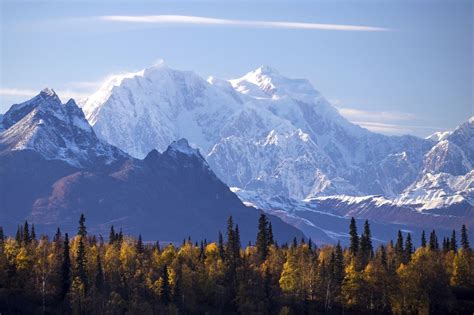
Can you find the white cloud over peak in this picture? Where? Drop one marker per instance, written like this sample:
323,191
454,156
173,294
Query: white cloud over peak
198,20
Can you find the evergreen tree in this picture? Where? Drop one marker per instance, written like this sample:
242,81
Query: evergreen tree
81,262
270,234
33,233
230,248
399,251
26,233
453,244
99,275
408,249
295,243
237,244
263,239
119,237
464,239
165,291
434,245
338,270
112,235
446,245
423,239
66,268
383,256
366,248
82,231
139,245
354,237
220,246
2,236
19,235
57,236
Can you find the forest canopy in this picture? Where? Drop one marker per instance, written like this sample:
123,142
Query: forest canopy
85,274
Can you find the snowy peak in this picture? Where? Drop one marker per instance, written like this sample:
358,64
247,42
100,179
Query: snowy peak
182,146
181,150
267,82
47,99
454,153
54,130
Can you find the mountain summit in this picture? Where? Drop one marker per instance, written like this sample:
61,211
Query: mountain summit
276,138
263,131
54,130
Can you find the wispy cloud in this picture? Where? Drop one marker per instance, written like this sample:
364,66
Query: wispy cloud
198,20
357,114
64,94
17,92
392,123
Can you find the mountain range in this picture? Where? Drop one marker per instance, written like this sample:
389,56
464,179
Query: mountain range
279,143
276,141
53,167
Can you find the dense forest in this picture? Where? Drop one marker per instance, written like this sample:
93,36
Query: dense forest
85,274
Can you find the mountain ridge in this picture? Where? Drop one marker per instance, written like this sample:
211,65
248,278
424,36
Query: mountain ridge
156,196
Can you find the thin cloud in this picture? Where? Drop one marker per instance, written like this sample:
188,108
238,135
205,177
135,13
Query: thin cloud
391,129
391,123
198,20
64,95
357,114
17,92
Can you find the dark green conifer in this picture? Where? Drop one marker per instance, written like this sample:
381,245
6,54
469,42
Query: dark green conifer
354,237
464,239
453,244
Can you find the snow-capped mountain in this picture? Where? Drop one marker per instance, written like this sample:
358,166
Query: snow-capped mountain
53,168
262,132
277,138
55,130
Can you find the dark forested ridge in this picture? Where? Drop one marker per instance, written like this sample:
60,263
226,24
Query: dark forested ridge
85,274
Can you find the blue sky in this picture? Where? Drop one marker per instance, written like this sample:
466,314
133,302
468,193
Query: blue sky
409,69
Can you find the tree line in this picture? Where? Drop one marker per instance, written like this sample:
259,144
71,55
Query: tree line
85,274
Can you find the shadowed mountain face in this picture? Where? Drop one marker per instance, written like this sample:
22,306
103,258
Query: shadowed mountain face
284,148
164,197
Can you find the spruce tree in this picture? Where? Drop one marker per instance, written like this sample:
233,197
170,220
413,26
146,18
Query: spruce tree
464,239
262,238
2,236
423,239
354,237
26,233
220,246
112,235
139,246
446,245
434,245
19,235
82,231
66,268
408,249
338,264
57,236
366,248
399,251
81,261
270,234
237,244
453,244
99,275
383,256
33,233
165,291
230,248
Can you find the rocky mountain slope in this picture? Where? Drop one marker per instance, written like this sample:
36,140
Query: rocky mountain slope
53,168
274,137
261,132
